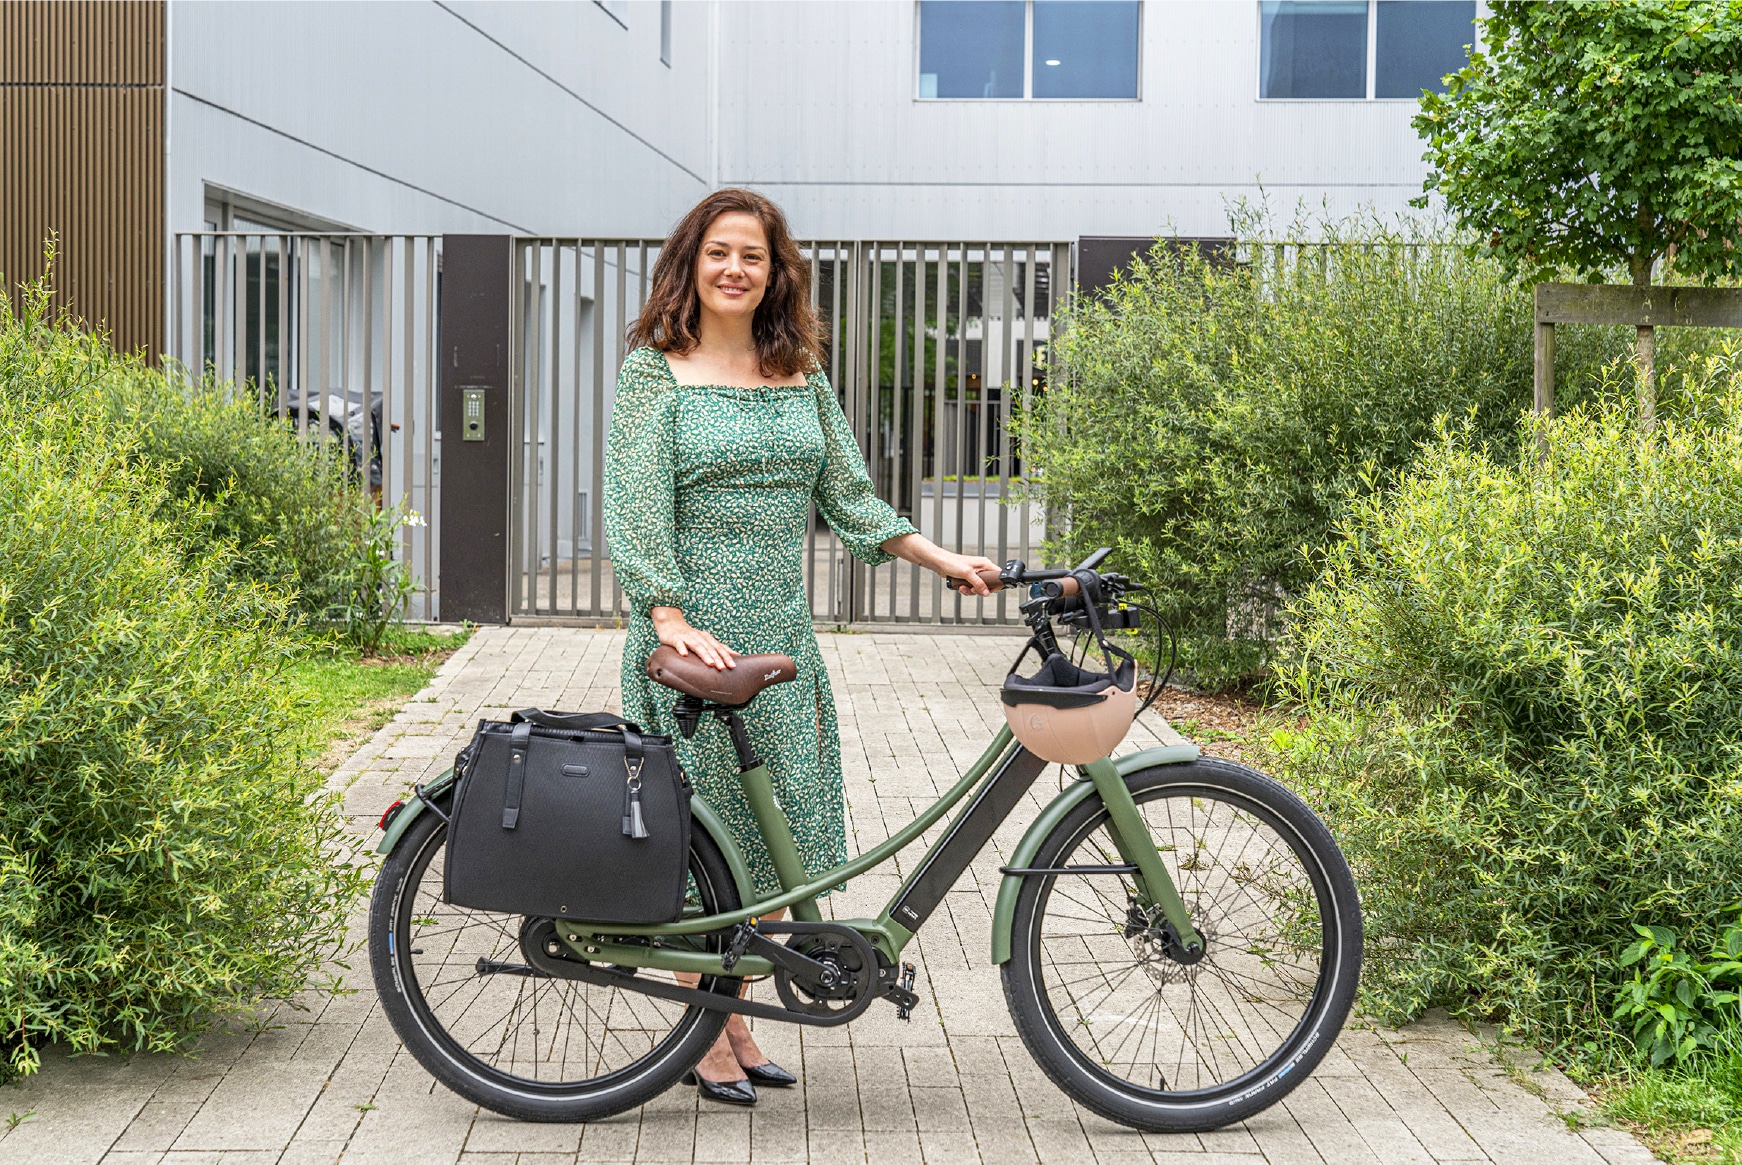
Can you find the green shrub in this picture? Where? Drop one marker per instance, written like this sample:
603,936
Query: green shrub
297,521
1521,697
165,857
1678,1002
1213,422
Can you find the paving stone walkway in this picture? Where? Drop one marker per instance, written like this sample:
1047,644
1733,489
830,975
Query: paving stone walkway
330,1083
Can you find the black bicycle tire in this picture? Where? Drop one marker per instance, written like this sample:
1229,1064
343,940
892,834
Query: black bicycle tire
1260,1087
412,1021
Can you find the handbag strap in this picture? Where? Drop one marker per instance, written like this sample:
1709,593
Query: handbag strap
517,745
573,721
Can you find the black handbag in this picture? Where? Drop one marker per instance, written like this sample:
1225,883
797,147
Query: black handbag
569,816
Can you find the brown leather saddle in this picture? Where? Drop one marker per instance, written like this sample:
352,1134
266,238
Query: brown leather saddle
733,686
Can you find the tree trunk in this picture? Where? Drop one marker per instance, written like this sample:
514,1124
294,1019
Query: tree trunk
1645,349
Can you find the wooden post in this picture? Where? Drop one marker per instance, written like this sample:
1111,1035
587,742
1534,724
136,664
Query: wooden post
1544,402
1643,308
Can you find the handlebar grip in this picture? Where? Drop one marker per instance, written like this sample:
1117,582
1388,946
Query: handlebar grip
995,580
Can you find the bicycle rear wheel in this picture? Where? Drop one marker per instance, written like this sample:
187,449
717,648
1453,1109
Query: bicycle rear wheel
462,996
1127,1023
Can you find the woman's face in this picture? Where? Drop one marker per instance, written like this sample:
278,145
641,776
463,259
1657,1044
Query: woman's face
732,265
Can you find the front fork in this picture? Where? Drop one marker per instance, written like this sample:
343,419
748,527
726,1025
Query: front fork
1155,886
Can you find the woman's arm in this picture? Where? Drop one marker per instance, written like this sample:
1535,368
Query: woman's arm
641,507
922,551
868,526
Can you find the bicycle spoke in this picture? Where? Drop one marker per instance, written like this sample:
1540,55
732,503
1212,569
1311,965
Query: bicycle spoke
1138,1012
524,1026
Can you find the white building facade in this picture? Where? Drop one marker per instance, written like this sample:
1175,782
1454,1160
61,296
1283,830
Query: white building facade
947,159
864,118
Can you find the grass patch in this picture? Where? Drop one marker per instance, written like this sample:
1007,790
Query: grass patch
1692,1113
347,694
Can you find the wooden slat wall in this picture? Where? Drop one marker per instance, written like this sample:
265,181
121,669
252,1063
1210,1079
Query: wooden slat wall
81,156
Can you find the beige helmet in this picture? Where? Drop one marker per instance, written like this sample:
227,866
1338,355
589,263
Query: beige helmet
1065,714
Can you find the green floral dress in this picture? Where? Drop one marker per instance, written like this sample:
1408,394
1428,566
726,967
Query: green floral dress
708,490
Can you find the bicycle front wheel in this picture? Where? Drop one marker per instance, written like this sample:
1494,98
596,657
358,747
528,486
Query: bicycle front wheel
1140,1031
458,988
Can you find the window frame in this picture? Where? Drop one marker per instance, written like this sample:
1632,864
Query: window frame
1027,68
1372,61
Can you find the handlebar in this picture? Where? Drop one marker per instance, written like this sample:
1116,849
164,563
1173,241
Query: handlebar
1016,573
999,580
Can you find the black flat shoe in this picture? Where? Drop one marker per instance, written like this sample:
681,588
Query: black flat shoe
730,1092
770,1076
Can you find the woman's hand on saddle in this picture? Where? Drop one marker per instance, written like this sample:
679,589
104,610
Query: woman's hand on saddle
675,631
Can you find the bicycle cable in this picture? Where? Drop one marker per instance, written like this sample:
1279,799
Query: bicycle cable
1161,625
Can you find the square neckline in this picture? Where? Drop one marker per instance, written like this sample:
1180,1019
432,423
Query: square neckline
671,375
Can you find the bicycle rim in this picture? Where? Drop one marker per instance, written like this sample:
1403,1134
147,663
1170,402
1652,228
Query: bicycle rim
518,1033
1152,1026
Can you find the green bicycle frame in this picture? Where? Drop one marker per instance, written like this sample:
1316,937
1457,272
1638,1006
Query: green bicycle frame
999,779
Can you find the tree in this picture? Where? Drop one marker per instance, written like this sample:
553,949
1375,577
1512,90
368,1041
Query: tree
1595,136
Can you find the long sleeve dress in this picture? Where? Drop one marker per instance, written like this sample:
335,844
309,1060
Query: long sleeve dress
708,490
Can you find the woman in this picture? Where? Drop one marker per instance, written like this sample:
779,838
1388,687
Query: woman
724,433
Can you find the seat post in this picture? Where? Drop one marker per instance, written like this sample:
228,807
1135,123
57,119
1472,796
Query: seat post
747,758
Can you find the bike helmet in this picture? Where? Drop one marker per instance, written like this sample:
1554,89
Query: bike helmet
1067,714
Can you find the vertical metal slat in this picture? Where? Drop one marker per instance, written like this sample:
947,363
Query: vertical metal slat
597,502
552,469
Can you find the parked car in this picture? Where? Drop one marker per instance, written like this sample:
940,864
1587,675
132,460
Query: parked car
338,415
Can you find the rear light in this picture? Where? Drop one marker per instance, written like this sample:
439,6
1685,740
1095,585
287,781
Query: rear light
392,812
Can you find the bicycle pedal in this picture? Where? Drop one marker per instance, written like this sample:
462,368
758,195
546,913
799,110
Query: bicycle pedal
905,999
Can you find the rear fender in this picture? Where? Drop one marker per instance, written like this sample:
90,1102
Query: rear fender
1079,791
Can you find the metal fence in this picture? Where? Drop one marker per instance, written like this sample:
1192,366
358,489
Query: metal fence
931,346
336,334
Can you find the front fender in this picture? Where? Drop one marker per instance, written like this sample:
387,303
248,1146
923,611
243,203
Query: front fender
1080,790
701,813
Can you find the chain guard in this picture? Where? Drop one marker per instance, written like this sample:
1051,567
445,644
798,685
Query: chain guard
854,976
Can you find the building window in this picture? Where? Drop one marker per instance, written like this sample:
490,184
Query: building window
1361,49
1420,42
1041,49
1085,48
665,33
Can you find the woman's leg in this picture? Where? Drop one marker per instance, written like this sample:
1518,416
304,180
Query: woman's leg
736,1048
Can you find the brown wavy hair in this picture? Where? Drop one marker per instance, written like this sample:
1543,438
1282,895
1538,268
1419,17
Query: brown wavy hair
788,336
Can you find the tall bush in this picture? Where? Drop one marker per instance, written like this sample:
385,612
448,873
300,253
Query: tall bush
1212,421
290,507
1521,697
164,855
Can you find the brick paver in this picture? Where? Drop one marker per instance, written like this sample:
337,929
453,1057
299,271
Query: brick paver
330,1083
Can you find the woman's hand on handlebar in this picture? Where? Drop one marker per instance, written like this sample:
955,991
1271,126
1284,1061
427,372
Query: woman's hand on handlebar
969,573
675,631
